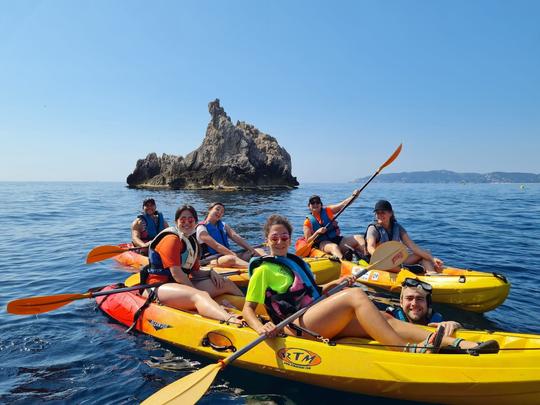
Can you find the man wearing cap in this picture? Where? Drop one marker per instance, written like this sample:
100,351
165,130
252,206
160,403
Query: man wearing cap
415,307
147,225
385,228
321,228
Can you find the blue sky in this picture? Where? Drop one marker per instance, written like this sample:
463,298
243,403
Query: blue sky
87,88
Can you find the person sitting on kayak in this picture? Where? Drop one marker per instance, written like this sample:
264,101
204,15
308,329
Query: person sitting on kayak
147,225
174,259
285,284
415,306
321,228
386,228
213,234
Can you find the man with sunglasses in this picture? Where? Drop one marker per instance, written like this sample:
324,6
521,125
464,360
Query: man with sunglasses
147,225
415,306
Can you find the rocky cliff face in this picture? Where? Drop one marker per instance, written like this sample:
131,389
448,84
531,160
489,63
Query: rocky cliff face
231,156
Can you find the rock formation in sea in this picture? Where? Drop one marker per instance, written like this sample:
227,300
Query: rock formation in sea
230,157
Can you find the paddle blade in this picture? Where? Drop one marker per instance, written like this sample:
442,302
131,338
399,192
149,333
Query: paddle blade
103,252
303,248
388,255
391,158
187,390
39,305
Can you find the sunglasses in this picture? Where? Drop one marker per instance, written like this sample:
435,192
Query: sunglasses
281,236
315,202
183,220
413,282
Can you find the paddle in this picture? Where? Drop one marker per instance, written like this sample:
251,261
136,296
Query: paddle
105,252
189,389
303,251
39,305
100,253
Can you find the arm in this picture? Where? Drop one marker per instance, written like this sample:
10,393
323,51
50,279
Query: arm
239,240
310,236
335,208
136,234
449,326
248,312
371,239
424,254
179,276
205,237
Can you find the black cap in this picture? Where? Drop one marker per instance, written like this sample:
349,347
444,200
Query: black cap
383,205
315,199
148,201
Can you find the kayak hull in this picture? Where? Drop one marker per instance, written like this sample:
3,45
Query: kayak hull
354,365
469,290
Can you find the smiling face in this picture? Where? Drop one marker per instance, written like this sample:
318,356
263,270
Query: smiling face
186,222
383,217
414,303
216,213
278,240
149,208
315,205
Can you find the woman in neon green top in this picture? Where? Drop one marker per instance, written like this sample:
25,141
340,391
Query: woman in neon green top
347,313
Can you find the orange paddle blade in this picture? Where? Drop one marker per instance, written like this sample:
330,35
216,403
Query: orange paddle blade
104,252
391,158
187,390
39,305
304,250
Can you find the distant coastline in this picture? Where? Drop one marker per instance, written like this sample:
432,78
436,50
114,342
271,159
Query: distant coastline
447,176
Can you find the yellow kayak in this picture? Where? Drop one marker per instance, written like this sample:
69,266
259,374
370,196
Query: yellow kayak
511,376
466,289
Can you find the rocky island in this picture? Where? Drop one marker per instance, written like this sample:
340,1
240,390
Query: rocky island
231,156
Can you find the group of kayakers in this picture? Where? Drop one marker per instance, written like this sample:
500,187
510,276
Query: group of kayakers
283,282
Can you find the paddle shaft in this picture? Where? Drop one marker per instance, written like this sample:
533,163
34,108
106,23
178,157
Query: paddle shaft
390,160
124,289
291,318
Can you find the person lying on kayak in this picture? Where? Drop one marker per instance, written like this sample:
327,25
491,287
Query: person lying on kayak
385,228
174,259
285,284
415,307
147,225
213,234
321,228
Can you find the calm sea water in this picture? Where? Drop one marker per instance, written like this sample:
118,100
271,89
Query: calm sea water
77,355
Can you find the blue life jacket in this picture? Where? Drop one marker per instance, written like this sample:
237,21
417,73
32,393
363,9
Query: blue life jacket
331,231
302,291
150,228
383,233
219,234
188,255
398,313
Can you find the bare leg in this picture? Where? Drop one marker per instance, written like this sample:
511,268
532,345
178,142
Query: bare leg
185,297
356,242
332,248
228,287
352,314
231,261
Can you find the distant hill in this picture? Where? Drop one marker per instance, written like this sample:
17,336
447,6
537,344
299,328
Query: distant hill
446,176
